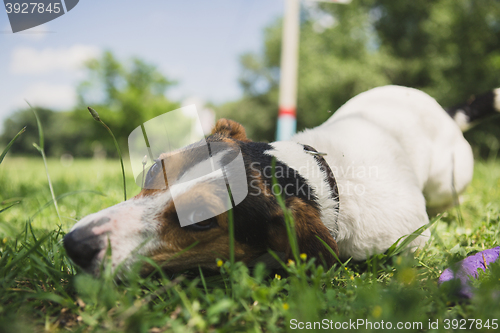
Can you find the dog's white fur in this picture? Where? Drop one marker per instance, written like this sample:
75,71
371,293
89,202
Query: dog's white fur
133,227
394,151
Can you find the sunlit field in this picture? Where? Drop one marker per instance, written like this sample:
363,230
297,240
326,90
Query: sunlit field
42,291
87,186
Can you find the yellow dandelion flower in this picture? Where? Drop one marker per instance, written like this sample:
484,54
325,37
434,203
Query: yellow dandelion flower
407,276
286,306
290,262
277,276
303,256
377,311
220,263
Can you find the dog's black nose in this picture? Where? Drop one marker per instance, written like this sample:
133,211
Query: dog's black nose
82,246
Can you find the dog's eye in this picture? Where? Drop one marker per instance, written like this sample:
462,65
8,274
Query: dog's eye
200,215
152,173
196,215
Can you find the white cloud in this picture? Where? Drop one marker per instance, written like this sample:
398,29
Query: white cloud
28,60
48,95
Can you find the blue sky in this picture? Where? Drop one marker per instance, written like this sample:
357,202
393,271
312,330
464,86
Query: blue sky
196,42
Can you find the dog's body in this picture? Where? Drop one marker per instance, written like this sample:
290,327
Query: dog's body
394,153
394,149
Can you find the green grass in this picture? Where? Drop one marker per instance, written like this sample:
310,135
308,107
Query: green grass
40,290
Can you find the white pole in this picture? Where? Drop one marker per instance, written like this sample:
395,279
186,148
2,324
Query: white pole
287,122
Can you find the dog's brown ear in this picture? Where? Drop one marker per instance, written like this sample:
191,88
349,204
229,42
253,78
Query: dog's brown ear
308,227
231,129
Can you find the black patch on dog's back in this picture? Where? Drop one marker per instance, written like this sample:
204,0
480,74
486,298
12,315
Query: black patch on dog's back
256,214
476,107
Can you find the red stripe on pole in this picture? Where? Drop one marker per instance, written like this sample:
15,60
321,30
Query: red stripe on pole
286,112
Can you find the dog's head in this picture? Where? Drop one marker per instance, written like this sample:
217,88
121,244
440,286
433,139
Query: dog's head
149,223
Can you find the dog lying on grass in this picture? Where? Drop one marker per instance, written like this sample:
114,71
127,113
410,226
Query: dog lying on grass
359,182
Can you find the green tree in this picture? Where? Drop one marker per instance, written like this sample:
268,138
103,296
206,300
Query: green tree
447,48
125,95
63,133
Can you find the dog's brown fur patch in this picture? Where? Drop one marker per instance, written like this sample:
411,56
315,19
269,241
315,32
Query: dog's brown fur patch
211,244
231,129
308,225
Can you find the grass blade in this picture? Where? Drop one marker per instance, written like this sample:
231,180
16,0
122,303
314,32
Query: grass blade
4,209
11,143
287,216
95,115
331,251
48,179
32,249
41,139
398,247
42,152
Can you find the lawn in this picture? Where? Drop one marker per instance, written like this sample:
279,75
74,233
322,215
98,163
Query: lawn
42,291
